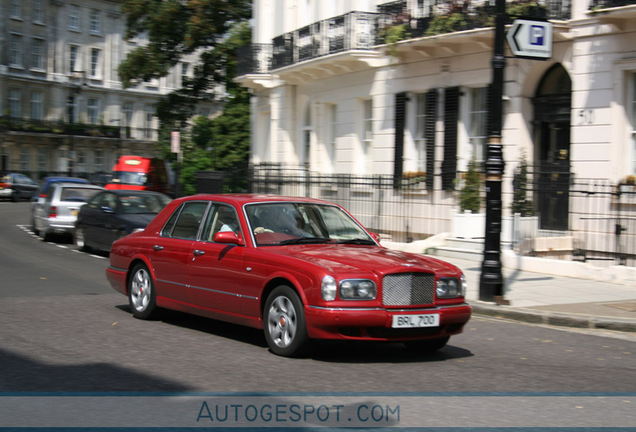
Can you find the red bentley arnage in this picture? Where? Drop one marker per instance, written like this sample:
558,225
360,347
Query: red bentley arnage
298,268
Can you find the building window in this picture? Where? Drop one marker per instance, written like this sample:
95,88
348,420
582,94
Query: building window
73,57
24,158
16,9
95,22
184,72
127,111
36,106
15,51
15,102
37,54
99,160
367,142
42,159
96,55
420,132
92,108
38,15
74,18
150,114
71,109
478,118
81,161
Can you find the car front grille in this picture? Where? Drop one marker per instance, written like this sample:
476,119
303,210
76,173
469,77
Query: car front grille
406,289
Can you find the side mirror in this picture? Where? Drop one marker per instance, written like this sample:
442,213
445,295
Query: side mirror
228,237
108,210
375,236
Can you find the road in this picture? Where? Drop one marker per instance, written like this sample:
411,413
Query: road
65,329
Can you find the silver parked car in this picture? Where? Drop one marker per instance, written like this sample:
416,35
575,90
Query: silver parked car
58,213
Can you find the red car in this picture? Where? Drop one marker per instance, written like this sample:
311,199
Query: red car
299,268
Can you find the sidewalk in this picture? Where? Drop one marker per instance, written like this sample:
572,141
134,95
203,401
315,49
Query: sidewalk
557,293
555,300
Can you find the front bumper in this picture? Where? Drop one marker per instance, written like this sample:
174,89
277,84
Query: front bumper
374,324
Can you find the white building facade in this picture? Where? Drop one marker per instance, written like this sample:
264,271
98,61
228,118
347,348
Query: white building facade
369,88
63,107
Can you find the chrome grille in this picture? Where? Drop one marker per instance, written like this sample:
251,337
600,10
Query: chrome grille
404,289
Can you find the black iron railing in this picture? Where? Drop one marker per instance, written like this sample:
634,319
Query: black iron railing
393,22
13,124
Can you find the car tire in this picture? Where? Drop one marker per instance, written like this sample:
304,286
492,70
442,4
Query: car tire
45,236
79,239
141,293
284,323
429,345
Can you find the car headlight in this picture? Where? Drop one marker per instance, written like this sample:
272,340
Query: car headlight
357,289
451,287
329,288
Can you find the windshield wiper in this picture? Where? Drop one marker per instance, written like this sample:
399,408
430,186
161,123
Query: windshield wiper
305,240
358,242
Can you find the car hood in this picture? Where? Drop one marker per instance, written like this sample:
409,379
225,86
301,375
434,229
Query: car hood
353,258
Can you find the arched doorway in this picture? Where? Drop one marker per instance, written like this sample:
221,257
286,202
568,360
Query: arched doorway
552,106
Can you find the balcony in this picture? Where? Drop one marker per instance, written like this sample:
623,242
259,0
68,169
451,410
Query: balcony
362,36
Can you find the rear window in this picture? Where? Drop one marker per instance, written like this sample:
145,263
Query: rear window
77,194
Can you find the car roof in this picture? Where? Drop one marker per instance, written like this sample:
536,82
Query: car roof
76,185
133,191
65,179
242,199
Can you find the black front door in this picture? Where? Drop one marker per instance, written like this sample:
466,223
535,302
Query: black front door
552,106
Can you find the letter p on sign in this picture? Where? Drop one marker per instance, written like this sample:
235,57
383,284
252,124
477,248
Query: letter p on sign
537,35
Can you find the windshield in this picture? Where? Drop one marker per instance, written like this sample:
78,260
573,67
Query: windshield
296,223
138,204
129,178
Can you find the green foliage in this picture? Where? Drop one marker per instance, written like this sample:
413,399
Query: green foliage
520,202
447,24
526,9
212,30
470,195
392,35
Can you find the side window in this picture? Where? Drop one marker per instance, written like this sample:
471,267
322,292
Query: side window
221,218
184,223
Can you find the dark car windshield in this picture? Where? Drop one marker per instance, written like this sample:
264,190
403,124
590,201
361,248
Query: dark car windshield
129,178
135,203
288,223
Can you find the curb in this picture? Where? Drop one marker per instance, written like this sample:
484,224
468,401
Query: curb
553,318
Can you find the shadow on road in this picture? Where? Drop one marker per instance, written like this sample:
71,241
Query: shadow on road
23,374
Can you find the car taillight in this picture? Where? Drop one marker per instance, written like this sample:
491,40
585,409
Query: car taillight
53,212
43,195
5,185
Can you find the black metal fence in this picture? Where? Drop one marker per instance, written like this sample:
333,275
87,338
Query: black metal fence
406,213
599,223
603,221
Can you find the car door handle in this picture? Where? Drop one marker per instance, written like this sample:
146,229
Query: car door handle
198,252
157,248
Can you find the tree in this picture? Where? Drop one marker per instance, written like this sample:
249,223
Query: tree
470,196
520,202
212,30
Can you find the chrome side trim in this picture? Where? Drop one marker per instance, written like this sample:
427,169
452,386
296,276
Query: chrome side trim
208,289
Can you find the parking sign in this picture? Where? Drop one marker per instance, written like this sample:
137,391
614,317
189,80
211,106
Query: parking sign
531,39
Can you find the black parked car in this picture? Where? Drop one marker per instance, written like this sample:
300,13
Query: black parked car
113,214
16,186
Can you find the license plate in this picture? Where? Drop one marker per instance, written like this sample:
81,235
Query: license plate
74,212
411,321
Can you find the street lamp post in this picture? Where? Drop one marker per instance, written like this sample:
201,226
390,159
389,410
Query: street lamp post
491,281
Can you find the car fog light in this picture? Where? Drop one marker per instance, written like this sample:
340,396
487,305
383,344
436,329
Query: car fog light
329,288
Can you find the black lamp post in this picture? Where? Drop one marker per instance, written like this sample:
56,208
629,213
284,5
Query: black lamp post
491,281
